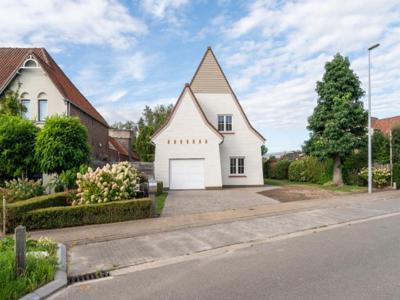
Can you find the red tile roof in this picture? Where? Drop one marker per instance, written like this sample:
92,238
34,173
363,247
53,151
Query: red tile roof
385,125
11,60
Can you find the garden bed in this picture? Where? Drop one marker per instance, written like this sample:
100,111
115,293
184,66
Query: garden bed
39,269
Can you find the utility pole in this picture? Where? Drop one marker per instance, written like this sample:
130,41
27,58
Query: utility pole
369,121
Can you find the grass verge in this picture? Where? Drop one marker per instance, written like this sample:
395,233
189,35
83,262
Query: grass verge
160,199
344,188
39,269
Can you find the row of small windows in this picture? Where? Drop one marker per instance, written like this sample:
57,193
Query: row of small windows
42,106
187,141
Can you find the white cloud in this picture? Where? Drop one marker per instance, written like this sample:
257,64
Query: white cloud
162,8
51,23
277,51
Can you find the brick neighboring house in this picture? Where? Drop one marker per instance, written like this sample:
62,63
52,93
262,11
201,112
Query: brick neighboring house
46,90
120,145
385,125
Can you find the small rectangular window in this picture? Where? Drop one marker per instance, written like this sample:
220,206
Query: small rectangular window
26,103
241,165
224,122
42,110
237,165
233,165
228,123
220,123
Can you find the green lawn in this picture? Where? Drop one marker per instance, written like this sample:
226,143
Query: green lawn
160,199
39,270
344,188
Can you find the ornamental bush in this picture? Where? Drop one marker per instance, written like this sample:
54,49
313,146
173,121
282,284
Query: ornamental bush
311,169
279,170
62,145
380,176
17,140
21,189
110,183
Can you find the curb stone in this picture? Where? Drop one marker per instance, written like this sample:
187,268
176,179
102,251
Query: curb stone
60,278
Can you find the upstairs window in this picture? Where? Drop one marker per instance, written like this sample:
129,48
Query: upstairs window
42,110
224,123
237,165
27,104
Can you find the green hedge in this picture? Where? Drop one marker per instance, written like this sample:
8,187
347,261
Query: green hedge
279,170
396,174
16,210
311,169
67,216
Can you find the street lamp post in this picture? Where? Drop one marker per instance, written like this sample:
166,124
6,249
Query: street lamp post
369,121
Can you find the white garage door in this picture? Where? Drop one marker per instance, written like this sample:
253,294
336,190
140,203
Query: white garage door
186,174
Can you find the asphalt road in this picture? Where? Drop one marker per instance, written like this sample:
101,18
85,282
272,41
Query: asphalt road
360,261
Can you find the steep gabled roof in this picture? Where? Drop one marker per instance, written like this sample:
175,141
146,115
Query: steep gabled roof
11,59
210,78
118,147
197,105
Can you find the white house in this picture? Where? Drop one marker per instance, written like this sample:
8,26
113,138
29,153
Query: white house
208,142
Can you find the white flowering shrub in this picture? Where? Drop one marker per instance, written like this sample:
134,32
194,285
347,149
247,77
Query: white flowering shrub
380,176
110,183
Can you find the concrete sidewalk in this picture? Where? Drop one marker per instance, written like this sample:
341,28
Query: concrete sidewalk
106,232
248,227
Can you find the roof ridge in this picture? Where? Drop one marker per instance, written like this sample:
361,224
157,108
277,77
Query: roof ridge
209,50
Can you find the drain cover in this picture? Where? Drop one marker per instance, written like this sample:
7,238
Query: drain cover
88,276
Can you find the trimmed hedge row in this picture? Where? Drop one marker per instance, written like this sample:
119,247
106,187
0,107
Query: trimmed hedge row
16,210
67,216
311,169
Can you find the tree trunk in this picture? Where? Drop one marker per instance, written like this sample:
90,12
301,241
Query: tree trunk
337,171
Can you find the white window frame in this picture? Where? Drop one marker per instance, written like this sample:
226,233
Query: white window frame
236,171
225,123
39,111
27,114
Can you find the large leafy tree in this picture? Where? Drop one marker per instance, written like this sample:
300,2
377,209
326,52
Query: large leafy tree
338,123
62,145
151,120
17,140
10,104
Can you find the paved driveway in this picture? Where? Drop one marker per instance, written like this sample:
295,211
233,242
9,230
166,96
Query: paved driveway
198,201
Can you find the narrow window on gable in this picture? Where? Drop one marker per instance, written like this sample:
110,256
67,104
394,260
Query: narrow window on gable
26,103
42,107
225,123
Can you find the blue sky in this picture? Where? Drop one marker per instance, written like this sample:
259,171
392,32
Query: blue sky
124,55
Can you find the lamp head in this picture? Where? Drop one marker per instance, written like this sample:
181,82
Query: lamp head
373,47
